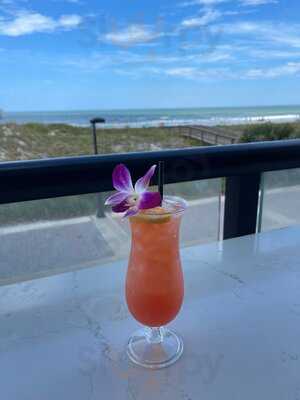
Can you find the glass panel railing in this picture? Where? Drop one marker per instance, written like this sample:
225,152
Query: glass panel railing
203,219
280,197
46,237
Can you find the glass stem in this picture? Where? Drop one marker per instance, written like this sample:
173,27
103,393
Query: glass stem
155,335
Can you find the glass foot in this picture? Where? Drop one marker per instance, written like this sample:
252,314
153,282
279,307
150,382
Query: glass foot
154,347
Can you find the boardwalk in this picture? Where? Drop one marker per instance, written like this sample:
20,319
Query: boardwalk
208,135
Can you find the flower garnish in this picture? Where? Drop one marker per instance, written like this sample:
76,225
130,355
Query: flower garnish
131,199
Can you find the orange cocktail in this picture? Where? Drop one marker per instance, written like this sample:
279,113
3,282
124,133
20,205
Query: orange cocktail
154,284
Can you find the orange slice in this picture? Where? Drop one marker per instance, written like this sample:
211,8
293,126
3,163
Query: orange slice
156,215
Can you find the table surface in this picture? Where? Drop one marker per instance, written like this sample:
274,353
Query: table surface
63,337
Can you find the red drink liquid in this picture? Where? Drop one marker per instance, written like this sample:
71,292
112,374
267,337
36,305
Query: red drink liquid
154,284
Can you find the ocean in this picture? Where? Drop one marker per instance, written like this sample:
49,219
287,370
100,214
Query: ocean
159,117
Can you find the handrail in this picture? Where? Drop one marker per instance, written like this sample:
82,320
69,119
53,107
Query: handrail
212,131
38,179
241,164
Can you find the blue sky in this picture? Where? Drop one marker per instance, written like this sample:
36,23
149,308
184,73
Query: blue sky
89,54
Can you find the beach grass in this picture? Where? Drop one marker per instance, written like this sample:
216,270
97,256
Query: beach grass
32,141
263,131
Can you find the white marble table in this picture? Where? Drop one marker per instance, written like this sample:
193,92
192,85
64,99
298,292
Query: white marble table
63,337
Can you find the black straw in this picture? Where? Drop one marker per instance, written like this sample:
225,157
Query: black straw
161,178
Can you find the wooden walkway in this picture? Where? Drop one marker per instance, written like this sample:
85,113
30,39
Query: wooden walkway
208,135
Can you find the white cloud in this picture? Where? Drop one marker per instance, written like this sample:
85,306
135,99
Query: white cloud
206,74
131,35
258,2
216,2
208,17
198,73
271,54
202,2
69,21
98,60
186,72
289,69
280,33
25,23
215,57
130,61
195,73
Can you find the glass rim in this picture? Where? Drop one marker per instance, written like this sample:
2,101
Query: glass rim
181,206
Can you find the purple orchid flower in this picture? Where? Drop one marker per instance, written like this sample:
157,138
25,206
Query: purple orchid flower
131,199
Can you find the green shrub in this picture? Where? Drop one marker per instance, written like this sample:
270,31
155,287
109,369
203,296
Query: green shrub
267,131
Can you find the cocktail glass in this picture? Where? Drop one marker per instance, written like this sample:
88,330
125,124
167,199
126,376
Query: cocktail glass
155,285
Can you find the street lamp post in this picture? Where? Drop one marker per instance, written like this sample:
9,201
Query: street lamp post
100,199
94,123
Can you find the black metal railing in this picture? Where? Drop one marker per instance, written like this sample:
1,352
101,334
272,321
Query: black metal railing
241,165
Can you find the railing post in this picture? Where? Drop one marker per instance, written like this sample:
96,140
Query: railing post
100,199
241,205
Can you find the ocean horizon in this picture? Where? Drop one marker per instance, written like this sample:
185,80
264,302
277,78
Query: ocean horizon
210,116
